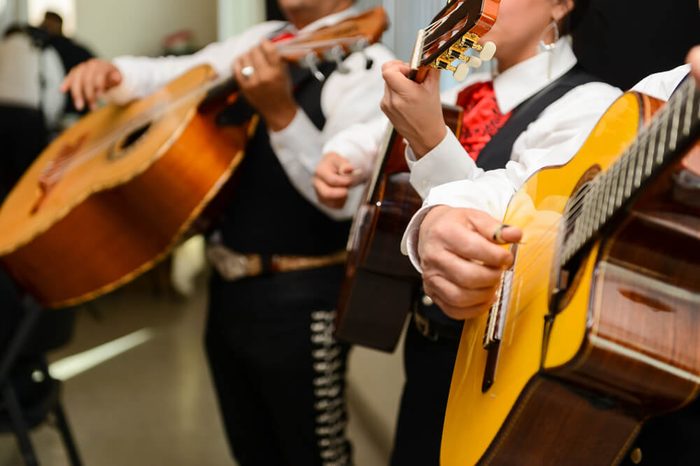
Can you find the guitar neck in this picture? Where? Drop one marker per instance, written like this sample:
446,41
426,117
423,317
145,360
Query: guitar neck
672,132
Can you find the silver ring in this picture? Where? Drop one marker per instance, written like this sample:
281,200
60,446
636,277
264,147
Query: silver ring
247,71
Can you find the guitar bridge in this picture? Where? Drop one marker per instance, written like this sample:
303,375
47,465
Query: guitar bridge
495,325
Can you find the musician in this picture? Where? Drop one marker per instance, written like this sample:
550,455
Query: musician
278,255
455,240
534,107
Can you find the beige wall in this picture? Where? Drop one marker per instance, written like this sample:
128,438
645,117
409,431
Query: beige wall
136,27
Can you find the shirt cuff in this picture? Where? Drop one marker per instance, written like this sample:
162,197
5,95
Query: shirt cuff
446,162
409,242
298,140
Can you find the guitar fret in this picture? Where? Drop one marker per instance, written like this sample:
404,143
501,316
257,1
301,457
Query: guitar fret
689,110
661,152
650,156
675,125
631,168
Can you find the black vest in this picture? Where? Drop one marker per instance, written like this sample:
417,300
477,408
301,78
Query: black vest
266,214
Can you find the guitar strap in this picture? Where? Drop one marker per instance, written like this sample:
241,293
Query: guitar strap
498,151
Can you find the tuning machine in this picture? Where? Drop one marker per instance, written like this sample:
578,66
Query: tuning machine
311,62
360,46
486,51
457,52
337,54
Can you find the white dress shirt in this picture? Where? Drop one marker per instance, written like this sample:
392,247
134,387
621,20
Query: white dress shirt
448,176
346,99
31,77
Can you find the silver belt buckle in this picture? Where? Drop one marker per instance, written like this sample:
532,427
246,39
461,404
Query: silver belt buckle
230,265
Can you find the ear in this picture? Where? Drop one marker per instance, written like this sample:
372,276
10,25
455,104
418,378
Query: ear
561,9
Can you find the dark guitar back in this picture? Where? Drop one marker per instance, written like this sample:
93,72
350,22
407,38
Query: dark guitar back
380,282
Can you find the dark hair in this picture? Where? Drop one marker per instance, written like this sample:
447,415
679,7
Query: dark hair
573,19
52,15
14,28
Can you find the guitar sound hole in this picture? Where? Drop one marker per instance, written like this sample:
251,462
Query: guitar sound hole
134,136
126,143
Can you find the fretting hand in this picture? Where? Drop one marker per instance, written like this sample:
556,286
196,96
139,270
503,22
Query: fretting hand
263,78
414,109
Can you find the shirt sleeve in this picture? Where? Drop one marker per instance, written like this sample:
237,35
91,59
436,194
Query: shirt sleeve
346,99
662,85
142,76
53,101
553,139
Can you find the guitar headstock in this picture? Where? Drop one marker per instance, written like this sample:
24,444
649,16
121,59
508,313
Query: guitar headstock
455,30
333,43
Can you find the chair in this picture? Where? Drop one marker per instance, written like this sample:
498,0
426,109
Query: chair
21,415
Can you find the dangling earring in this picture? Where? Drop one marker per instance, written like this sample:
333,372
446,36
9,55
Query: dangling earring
553,26
549,48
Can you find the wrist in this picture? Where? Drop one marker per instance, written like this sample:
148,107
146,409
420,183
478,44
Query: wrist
280,117
427,141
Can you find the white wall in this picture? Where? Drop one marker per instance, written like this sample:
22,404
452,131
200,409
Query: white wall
136,27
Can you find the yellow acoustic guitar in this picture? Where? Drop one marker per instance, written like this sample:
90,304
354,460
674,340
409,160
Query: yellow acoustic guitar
113,194
597,326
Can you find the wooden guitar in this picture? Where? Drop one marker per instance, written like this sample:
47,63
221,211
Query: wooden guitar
111,196
380,283
597,324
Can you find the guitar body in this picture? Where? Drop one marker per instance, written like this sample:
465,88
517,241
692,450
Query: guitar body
111,196
622,344
146,171
380,282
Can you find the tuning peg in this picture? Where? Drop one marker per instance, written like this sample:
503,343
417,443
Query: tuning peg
488,50
337,54
311,62
460,71
360,46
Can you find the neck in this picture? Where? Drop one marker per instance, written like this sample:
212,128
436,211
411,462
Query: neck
305,16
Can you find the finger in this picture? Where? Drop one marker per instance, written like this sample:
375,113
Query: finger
114,79
446,293
694,60
272,56
490,228
396,79
432,80
259,61
76,89
464,273
460,238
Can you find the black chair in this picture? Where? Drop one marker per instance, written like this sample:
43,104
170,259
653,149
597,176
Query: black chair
29,396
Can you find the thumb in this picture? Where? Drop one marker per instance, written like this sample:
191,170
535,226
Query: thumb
494,230
114,78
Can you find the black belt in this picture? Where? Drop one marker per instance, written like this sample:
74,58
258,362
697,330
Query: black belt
433,329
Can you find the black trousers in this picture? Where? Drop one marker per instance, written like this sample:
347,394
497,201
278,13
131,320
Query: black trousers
670,440
428,366
278,372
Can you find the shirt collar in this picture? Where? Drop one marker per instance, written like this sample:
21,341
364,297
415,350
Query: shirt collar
520,82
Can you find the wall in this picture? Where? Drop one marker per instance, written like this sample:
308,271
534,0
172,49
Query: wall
136,27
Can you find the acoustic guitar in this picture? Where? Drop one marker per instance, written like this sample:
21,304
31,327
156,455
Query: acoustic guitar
112,195
597,325
380,283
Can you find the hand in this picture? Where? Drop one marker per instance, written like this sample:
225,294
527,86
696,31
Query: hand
462,262
694,60
414,109
268,89
334,177
89,80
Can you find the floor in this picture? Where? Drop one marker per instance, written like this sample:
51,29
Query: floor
137,391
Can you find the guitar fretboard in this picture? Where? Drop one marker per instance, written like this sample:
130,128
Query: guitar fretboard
672,131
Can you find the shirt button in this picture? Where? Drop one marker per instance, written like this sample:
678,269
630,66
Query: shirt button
427,300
